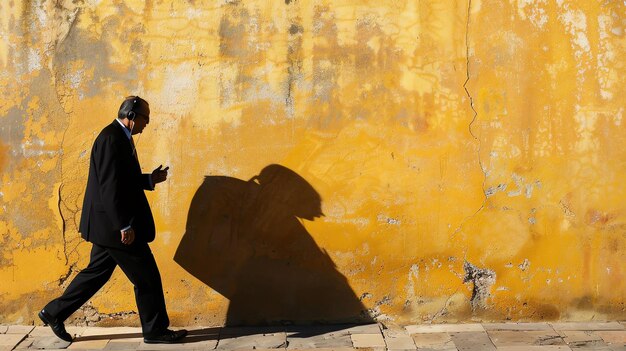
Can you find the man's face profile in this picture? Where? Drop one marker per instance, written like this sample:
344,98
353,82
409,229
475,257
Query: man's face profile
142,118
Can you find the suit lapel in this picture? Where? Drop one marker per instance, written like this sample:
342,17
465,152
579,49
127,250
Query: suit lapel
129,144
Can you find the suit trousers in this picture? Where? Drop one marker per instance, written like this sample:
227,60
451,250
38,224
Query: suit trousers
138,264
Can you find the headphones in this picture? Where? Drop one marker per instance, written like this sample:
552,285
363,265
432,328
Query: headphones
131,114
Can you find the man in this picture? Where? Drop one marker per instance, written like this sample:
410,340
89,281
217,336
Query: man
117,220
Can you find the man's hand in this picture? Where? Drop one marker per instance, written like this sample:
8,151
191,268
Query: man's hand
128,236
159,175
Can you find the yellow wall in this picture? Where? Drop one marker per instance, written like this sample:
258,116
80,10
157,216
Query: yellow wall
443,138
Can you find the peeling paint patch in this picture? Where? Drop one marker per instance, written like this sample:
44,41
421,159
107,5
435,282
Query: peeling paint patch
494,189
482,279
524,265
391,221
523,187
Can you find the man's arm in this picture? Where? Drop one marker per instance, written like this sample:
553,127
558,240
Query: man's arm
146,181
112,178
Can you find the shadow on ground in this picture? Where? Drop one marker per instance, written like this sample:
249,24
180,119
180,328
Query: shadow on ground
225,333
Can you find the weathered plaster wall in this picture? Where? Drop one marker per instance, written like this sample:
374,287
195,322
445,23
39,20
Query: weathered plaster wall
470,157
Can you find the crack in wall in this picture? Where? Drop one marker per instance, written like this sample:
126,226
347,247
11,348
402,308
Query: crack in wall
60,191
63,224
66,276
62,99
444,310
474,118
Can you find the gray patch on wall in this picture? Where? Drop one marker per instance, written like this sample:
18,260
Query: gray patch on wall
483,279
232,31
12,128
81,45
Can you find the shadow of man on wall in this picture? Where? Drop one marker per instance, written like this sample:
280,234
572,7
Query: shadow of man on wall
244,239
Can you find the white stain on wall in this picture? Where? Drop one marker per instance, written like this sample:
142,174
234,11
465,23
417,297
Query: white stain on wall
34,60
575,23
533,11
606,75
179,92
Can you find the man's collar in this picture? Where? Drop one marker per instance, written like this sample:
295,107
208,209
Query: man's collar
126,131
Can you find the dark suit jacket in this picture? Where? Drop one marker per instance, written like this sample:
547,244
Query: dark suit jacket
115,196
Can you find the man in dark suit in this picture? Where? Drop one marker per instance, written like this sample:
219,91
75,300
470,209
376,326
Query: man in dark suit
117,220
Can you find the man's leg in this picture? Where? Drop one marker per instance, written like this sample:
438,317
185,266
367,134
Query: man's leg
84,285
139,265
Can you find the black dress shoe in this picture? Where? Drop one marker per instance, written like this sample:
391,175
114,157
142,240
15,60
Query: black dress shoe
167,337
57,327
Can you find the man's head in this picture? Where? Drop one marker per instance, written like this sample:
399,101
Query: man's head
137,111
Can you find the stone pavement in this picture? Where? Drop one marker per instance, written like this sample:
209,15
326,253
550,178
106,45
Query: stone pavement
605,336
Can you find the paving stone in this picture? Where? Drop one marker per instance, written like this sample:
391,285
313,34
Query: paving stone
612,336
46,331
41,331
26,343
259,341
395,332
11,340
309,331
591,348
204,331
202,344
181,346
363,329
203,338
50,342
197,339
573,336
594,345
472,341
122,345
123,332
434,341
98,344
20,329
400,343
535,348
524,337
444,328
74,331
126,334
518,326
583,340
91,331
241,331
588,326
309,340
368,340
